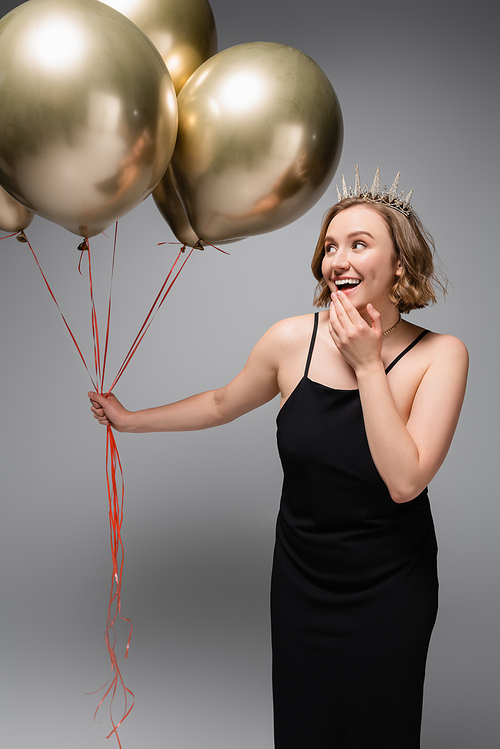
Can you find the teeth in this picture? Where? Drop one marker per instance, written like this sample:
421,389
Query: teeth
347,281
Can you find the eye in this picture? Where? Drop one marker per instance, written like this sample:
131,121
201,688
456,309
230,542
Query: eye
358,245
330,248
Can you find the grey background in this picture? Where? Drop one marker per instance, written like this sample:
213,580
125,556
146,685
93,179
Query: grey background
418,84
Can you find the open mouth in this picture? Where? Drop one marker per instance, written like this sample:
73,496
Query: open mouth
346,284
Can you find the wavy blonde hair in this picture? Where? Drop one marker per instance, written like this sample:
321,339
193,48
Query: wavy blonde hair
416,286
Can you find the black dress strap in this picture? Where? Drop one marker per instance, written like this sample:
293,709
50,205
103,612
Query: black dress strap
408,348
311,347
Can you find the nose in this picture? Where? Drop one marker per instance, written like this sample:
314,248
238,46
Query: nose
340,260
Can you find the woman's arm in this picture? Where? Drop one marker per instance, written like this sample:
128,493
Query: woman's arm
255,385
407,456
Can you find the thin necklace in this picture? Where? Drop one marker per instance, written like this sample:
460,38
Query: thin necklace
386,332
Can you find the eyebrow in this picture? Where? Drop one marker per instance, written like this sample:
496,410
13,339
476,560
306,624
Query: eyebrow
352,234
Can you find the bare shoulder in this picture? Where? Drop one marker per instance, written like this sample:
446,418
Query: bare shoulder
445,363
431,381
291,330
445,348
283,351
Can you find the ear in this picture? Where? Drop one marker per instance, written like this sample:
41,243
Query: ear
399,269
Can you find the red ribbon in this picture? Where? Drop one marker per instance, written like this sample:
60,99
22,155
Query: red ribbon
114,470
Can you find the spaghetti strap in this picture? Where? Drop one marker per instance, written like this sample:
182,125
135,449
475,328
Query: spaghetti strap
311,347
408,348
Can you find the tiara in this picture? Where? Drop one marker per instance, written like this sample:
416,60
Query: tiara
376,195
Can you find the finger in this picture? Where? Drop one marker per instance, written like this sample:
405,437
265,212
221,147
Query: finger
334,325
348,307
374,317
97,398
334,335
334,319
341,316
342,304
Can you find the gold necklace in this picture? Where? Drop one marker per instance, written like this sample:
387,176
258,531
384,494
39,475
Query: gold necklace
386,332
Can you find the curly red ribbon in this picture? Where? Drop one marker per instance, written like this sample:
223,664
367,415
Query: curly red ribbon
114,470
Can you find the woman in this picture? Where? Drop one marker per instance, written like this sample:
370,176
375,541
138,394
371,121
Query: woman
369,405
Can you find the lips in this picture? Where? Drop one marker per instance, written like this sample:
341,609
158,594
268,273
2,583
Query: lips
346,284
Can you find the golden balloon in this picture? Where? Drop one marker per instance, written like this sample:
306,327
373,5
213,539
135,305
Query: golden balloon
88,119
183,31
170,206
13,215
260,137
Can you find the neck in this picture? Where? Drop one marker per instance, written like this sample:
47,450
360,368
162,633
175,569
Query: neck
387,331
389,316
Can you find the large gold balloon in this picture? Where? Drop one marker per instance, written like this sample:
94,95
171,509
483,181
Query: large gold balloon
88,114
13,216
183,31
260,137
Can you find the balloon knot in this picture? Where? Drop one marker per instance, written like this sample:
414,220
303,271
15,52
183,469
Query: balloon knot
21,237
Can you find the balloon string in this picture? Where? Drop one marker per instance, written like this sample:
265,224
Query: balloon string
60,311
94,326
116,496
199,248
218,248
109,303
115,487
115,501
160,298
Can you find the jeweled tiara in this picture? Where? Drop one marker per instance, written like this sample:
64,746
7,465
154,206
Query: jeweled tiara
376,195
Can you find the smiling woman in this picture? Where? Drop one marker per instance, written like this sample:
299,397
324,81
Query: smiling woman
414,286
369,405
359,259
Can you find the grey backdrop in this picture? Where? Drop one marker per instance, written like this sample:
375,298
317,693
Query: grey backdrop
418,84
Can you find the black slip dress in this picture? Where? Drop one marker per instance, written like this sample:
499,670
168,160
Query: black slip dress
354,585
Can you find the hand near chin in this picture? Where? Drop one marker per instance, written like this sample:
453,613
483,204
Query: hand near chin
359,343
109,411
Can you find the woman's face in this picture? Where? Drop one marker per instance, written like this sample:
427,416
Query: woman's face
360,258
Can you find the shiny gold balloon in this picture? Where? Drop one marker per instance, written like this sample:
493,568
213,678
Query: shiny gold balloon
13,216
183,31
260,137
170,206
88,114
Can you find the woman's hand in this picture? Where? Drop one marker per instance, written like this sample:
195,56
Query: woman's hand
109,411
359,343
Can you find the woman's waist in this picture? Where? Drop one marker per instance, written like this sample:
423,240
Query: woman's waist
355,557
384,528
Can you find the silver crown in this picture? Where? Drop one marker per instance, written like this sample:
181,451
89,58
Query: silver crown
376,195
